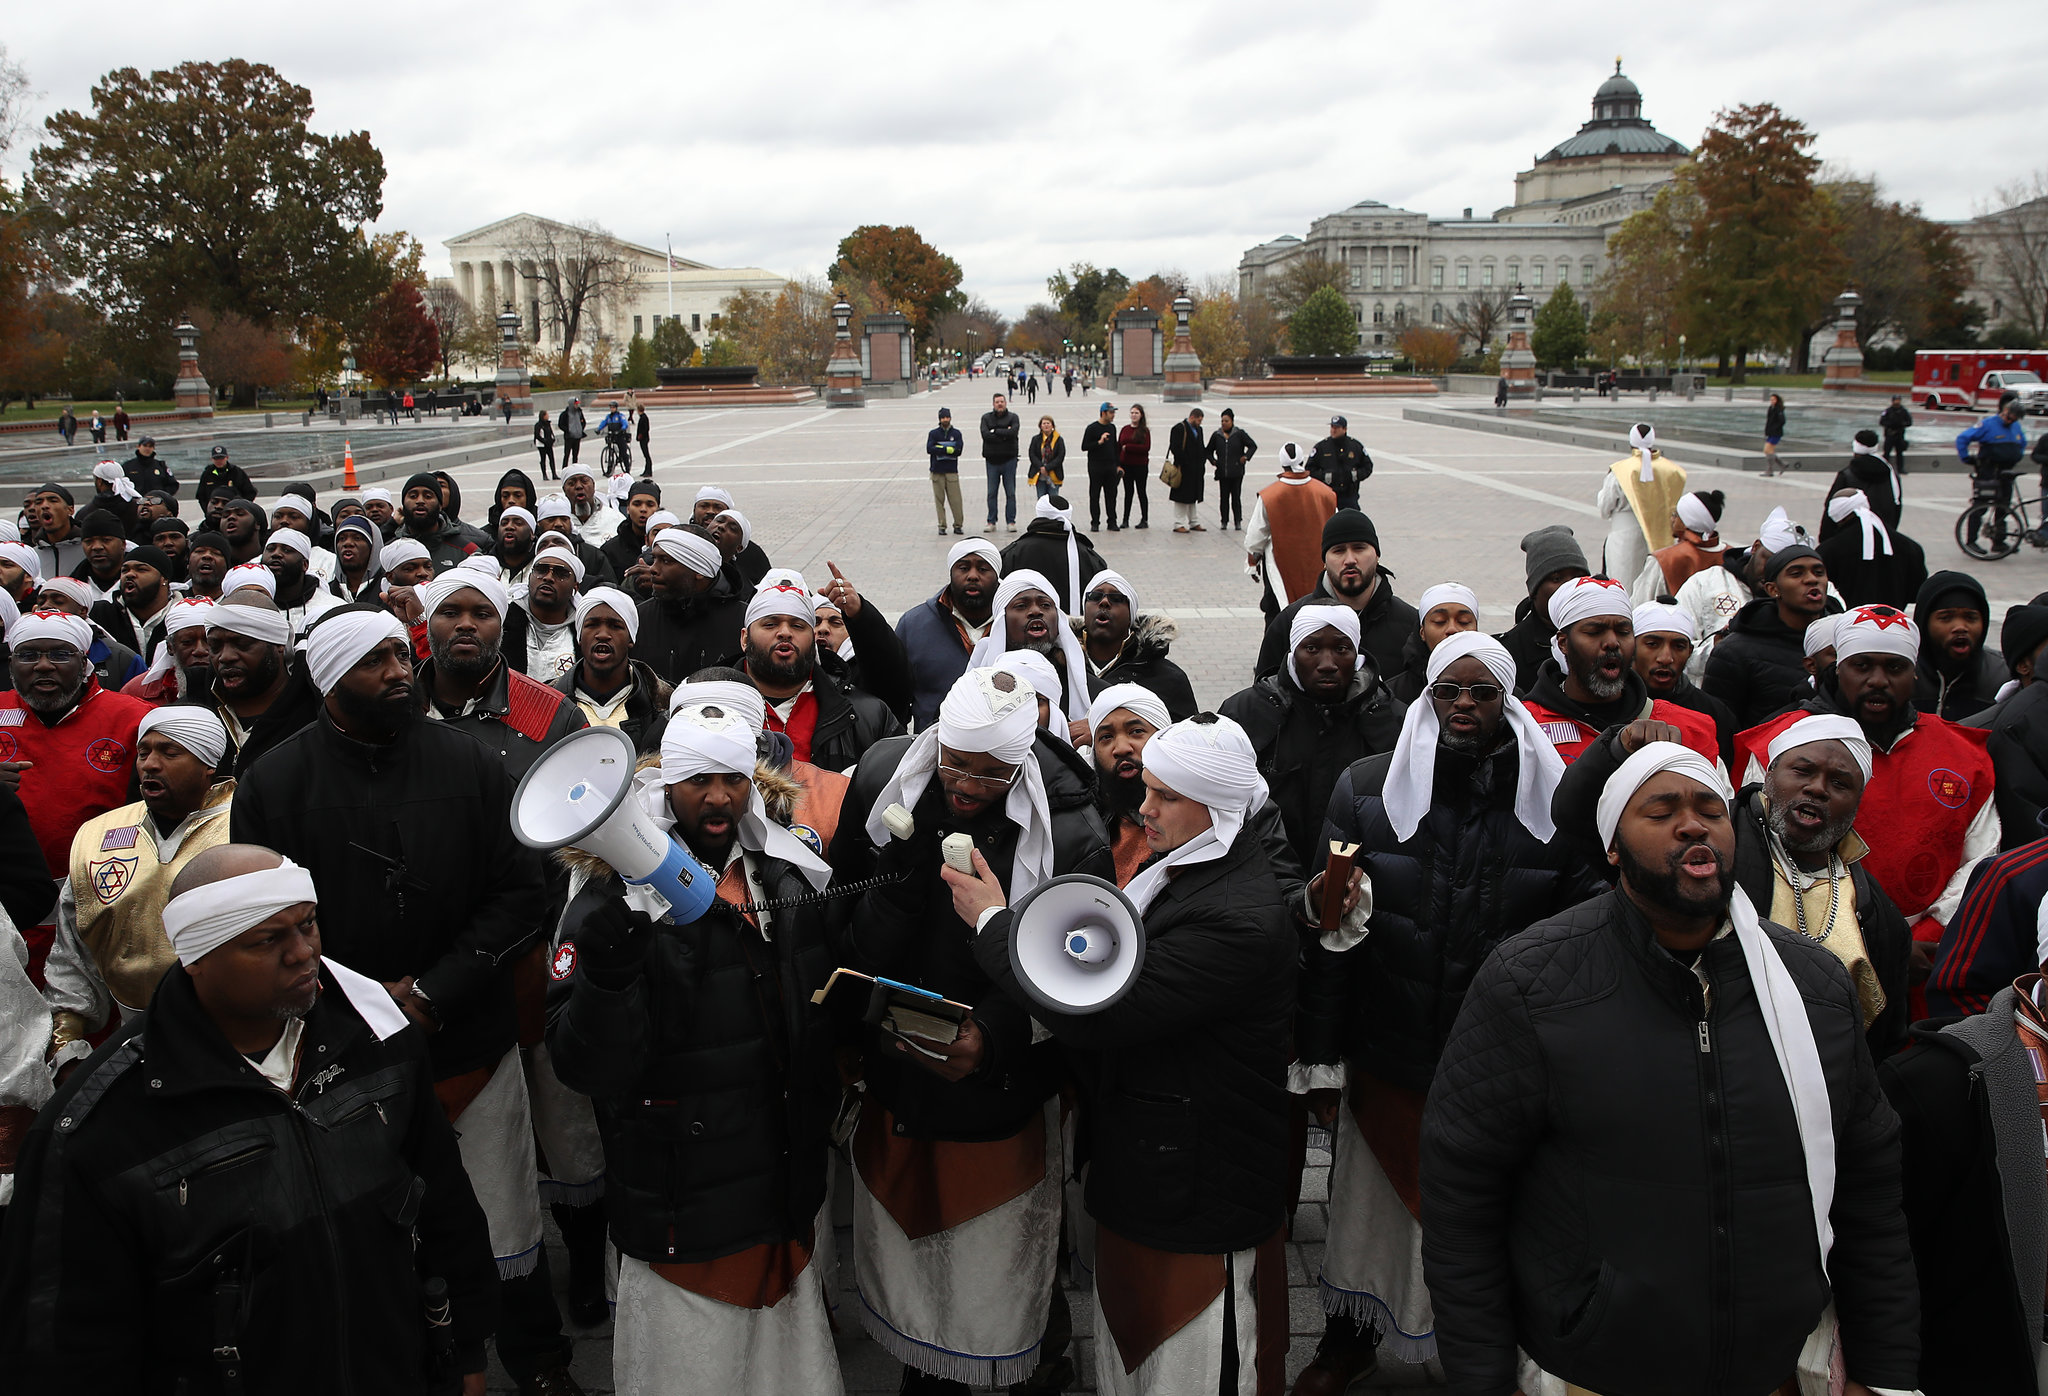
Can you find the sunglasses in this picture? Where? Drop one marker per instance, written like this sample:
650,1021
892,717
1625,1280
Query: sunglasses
1445,691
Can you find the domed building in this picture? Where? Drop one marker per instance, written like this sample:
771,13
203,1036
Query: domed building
1401,267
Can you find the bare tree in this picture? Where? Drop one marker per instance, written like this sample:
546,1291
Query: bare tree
1481,315
1301,278
2014,262
577,270
14,100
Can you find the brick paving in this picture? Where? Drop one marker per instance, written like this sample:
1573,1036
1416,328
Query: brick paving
850,487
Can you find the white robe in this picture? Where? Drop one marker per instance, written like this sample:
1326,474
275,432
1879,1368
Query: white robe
1192,1359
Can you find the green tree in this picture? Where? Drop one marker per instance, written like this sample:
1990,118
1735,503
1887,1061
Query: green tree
638,370
721,351
1302,278
202,187
1559,336
910,273
1324,324
1636,302
1086,295
673,345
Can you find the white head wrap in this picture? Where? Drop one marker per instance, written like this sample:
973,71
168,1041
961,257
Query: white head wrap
464,579
60,626
1823,727
1213,764
1293,460
10,613
1589,598
204,919
1642,439
782,577
553,538
1663,618
400,551
579,470
377,494
781,601
1411,776
69,587
746,529
700,555
1140,700
979,717
294,501
822,602
290,538
713,494
1875,534
1693,512
1107,578
553,506
249,574
1308,620
337,643
1784,1010
564,556
1876,630
997,642
250,622
10,531
1033,668
741,697
1448,594
980,547
124,488
192,727
1820,634
24,557
514,511
1046,509
1779,532
182,614
1859,449
613,600
659,519
619,487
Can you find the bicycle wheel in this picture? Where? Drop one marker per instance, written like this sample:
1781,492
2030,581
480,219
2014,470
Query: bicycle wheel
1989,533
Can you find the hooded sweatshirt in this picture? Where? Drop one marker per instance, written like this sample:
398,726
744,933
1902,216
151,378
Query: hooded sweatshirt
1950,690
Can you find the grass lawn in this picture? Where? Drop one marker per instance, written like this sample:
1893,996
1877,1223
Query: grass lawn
51,411
1804,380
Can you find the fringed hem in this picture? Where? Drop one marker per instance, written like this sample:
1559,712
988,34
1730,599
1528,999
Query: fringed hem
944,1362
1412,1348
511,1267
556,1193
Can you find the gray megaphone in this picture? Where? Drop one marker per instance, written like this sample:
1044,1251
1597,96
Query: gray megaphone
575,796
1076,944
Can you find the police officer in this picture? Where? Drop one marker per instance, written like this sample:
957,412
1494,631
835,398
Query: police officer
1340,462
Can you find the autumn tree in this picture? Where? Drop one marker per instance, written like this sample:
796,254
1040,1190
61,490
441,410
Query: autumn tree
203,187
576,270
1043,330
1481,316
1636,300
1558,337
399,344
1324,324
988,327
1760,254
238,354
1910,271
1432,351
1219,336
788,336
1301,278
913,276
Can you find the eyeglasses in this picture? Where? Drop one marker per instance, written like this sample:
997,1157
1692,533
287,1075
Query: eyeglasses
63,654
1445,691
968,779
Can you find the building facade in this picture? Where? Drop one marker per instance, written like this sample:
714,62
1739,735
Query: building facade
498,263
1399,267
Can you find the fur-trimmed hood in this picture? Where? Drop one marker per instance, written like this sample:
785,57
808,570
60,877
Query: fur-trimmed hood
1152,635
779,793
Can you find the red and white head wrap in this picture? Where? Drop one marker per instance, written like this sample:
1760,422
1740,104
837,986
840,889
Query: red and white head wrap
59,627
1877,630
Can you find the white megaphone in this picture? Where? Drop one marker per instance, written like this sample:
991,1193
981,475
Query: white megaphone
1076,944
575,796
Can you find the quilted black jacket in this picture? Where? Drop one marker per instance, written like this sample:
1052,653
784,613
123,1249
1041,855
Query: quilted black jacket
1612,1175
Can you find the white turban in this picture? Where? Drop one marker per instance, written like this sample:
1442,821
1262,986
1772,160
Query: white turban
553,506
249,574
553,538
1820,634
10,531
377,494
1033,668
1876,630
694,743
10,613
1693,512
124,488
1642,439
997,642
579,470
1046,509
192,727
59,626
514,511
400,551
782,577
978,547
713,494
293,539
742,697
1308,620
1779,532
1663,618
781,601
746,529
1448,594
1857,448
1293,460
24,557
72,588
613,600
1114,580
202,920
977,716
700,555
1411,776
463,579
1875,534
1784,1010
1589,598
1213,764
250,622
1823,727
659,519
340,639
564,556
1140,700
182,614
294,501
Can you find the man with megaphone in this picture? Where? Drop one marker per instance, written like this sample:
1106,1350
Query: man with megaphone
712,1073
1186,1074
957,1157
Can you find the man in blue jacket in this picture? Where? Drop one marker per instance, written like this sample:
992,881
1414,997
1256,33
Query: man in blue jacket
943,445
2001,444
938,634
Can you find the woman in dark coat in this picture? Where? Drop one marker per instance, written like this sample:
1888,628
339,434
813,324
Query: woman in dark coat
1774,432
1134,458
544,442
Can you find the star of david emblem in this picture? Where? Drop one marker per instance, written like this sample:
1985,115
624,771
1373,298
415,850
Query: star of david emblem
107,755
1883,617
110,877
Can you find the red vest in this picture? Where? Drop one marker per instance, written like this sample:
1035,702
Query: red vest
1570,736
803,721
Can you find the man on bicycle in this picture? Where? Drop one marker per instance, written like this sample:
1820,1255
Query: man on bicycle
2001,445
618,435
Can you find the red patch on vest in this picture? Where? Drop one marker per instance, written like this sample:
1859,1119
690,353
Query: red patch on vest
530,706
8,745
1947,787
564,963
107,755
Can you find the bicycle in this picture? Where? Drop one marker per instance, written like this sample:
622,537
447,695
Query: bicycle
1991,531
618,454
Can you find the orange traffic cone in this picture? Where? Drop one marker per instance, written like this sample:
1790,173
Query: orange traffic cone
348,466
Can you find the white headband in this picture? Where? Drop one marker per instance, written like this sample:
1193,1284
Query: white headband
61,626
997,642
564,556
202,920
1779,532
515,511
743,697
1213,764
700,555
1116,580
1292,459
1138,699
464,579
1693,512
1663,618
1033,668
793,602
1650,759
712,494
1448,593
400,551
186,612
294,501
613,600
1823,727
1588,598
1308,620
192,727
746,529
377,494
696,743
1642,439
1876,537
340,639
659,519
249,574
1820,634
290,538
70,587
1857,448
250,622
978,547
1411,775
1876,630
553,506
579,471
24,557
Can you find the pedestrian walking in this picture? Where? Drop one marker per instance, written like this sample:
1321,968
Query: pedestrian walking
1048,458
1030,387
506,404
1182,472
1231,451
412,408
642,432
1895,419
1500,392
999,430
1068,379
1774,432
98,428
67,425
943,445
1133,457
121,420
573,429
544,443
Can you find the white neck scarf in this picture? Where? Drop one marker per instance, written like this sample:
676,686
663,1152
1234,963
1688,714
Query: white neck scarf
695,742
1211,763
992,645
1411,776
1875,535
1858,448
1046,509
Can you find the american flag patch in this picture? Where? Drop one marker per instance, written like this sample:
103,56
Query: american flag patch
1562,732
123,837
11,717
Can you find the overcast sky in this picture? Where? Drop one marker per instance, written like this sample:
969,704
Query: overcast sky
1022,137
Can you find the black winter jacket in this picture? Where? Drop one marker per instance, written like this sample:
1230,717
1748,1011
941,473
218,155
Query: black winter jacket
212,476
1143,661
1341,463
2019,755
1231,452
622,549
999,435
448,540
1528,640
711,1071
1758,665
849,721
1304,746
172,1202
1871,475
1887,579
1690,695
148,473
909,932
411,848
646,706
879,664
1186,1074
297,707
1470,877
679,637
1187,448
1383,627
1042,547
1612,1176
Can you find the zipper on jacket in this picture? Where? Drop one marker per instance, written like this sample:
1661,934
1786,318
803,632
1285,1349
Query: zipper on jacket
1706,1039
303,1124
1720,1250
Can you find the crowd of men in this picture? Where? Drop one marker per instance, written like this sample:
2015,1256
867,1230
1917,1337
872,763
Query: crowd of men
1665,970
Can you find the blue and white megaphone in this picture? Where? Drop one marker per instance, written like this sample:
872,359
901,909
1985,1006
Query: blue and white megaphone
1076,944
576,796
